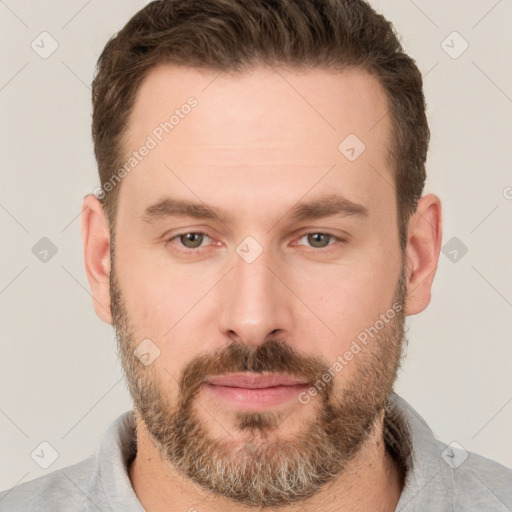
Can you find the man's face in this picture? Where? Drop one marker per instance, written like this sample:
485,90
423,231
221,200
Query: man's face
268,286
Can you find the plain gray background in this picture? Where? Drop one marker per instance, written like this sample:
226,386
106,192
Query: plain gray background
60,382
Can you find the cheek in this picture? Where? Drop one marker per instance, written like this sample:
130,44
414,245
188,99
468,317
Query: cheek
346,299
153,303
156,292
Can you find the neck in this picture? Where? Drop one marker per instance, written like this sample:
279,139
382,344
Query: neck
372,481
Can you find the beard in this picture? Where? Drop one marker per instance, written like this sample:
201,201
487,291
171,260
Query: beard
257,467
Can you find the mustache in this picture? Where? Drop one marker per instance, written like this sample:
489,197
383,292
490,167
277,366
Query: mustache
273,356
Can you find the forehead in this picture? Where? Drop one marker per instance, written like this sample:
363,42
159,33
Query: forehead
262,104
277,130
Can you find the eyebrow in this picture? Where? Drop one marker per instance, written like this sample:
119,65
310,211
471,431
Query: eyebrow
325,206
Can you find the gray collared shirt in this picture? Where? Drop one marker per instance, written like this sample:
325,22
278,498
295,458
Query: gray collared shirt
438,477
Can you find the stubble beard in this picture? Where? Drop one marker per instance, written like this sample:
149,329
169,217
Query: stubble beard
257,467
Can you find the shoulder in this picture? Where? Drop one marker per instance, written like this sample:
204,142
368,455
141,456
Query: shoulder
478,483
61,490
99,482
444,477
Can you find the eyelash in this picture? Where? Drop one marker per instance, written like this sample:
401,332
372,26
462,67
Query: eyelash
326,249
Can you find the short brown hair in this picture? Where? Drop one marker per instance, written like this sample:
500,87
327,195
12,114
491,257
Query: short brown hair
233,35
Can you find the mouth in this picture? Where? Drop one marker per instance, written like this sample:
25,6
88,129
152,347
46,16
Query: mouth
253,392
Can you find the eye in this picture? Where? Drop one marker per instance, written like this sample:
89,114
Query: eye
319,240
197,239
191,240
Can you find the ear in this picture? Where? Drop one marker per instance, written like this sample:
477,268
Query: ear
422,254
96,242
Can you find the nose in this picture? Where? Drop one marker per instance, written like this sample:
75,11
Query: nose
255,303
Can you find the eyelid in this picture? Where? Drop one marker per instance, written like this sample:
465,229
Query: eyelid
177,232
332,231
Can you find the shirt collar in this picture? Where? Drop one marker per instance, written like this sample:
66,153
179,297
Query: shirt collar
419,452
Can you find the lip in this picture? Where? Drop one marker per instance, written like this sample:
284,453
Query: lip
254,380
254,392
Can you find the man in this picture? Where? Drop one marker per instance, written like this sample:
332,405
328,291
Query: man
257,241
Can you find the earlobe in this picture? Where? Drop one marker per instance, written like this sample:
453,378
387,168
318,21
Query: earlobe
423,248
96,246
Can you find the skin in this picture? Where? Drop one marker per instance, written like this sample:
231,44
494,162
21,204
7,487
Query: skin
256,144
